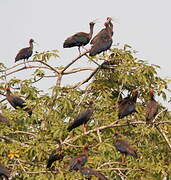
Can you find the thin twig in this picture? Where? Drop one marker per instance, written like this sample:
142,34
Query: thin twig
23,132
165,109
164,136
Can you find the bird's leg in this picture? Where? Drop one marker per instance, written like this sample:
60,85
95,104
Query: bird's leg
128,123
84,128
79,50
123,158
25,63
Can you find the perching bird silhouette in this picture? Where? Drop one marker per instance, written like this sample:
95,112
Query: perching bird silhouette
4,172
151,108
83,117
91,172
128,104
124,146
56,155
25,53
79,39
16,101
103,40
79,161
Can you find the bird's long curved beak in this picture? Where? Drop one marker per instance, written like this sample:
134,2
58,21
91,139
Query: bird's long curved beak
36,43
96,20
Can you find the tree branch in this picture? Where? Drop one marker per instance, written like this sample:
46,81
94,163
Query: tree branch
164,136
114,124
66,67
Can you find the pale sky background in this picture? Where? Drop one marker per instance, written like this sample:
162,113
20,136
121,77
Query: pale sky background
145,25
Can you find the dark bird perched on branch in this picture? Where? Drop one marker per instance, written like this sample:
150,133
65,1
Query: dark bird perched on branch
103,40
16,102
91,172
82,118
151,108
79,39
127,105
25,53
4,172
79,161
4,120
124,146
56,155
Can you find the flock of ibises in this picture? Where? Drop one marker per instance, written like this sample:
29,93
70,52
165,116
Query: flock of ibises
99,43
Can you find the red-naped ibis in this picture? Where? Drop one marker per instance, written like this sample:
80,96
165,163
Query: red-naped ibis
128,104
79,39
83,117
103,40
151,108
16,101
124,146
4,172
56,155
4,120
91,172
79,161
25,53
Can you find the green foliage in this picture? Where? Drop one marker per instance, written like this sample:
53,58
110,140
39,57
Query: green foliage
26,145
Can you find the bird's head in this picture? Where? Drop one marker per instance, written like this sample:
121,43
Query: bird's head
134,91
109,19
152,91
92,23
116,134
8,89
31,41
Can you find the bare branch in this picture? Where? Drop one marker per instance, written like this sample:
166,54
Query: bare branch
164,136
75,70
114,124
66,67
165,109
23,132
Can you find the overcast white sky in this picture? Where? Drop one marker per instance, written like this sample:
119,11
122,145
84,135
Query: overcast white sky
145,25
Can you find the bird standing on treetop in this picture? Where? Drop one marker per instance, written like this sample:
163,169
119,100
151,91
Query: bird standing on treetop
56,155
79,161
16,101
127,105
124,146
103,40
79,39
4,172
83,117
25,53
151,108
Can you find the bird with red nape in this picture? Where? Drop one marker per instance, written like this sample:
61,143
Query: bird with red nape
127,105
82,117
80,160
124,146
103,40
79,39
16,101
25,53
151,108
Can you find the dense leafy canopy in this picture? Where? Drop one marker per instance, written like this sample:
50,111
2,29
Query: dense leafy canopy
26,145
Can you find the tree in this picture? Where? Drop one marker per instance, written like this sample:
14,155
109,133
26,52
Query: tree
26,145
